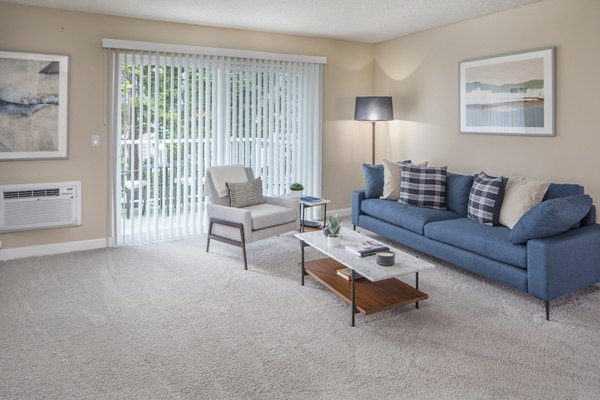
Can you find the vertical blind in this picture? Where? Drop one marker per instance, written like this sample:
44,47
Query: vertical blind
176,114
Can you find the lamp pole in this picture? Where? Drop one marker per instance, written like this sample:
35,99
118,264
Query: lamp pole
373,140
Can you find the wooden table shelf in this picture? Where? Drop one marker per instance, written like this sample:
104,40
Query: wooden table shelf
371,297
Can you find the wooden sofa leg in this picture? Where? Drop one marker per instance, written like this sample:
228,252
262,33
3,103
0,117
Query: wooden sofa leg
547,303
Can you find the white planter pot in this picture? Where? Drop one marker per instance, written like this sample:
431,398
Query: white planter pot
334,241
296,193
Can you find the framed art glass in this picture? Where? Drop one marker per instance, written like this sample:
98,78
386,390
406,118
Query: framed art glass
511,94
33,105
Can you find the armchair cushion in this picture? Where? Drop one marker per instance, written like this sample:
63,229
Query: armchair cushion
267,215
246,193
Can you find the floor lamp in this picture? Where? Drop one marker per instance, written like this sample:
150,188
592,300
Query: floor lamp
373,109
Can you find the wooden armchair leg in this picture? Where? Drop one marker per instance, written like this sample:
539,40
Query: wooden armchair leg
210,225
241,243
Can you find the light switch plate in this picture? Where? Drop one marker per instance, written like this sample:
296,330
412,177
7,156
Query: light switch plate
95,141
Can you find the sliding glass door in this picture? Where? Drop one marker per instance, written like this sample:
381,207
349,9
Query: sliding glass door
177,114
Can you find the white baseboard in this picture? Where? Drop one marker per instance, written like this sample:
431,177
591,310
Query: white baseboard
342,212
54,248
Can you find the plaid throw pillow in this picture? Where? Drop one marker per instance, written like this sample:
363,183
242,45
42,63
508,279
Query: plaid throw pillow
423,186
245,193
485,199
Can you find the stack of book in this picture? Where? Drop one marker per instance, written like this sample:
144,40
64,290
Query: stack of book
346,273
310,199
367,248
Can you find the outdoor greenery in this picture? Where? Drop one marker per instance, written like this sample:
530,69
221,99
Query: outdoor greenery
167,121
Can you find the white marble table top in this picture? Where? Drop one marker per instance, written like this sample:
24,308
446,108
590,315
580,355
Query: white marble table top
366,266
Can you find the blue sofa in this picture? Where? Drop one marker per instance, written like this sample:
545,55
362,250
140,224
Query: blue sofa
545,268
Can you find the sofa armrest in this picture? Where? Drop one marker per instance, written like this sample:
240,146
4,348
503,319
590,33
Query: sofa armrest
357,197
232,214
560,264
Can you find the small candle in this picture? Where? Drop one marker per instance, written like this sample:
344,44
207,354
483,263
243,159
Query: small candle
386,258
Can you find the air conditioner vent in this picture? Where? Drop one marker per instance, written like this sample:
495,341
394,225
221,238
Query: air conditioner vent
37,206
15,194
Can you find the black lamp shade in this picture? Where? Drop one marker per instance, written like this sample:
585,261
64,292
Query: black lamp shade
373,108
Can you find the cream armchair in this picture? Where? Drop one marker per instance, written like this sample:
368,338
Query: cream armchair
238,226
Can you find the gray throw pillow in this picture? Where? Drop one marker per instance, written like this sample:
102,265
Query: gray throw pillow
245,193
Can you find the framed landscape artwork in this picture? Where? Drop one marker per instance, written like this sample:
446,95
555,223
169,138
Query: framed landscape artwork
510,94
33,105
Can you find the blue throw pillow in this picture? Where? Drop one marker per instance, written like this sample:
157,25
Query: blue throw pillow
457,192
550,218
373,180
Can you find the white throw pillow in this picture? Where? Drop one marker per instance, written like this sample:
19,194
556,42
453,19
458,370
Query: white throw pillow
392,176
520,195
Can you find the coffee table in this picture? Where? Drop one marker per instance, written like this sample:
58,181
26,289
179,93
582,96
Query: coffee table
380,290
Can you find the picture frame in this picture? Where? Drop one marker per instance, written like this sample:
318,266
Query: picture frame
34,102
510,94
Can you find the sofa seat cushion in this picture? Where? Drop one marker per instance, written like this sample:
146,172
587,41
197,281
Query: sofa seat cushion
485,240
267,215
406,216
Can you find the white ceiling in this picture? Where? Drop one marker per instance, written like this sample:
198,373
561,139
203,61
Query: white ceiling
368,21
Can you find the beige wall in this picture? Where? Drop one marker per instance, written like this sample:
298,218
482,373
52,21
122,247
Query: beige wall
349,73
421,73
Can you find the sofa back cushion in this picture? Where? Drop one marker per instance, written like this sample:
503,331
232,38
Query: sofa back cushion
457,192
557,190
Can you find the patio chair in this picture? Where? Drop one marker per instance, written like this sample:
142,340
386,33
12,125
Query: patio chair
135,193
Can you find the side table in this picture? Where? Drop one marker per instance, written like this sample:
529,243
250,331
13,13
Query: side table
304,204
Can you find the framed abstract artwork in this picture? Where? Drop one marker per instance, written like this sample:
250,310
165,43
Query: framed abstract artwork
512,94
34,90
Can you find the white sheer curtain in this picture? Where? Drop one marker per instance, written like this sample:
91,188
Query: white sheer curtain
175,114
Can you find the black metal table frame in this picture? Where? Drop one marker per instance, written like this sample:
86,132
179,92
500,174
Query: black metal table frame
354,311
303,206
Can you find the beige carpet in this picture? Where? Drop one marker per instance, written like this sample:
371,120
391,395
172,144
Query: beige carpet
168,321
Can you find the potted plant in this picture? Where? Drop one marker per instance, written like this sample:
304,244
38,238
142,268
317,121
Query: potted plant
334,224
296,189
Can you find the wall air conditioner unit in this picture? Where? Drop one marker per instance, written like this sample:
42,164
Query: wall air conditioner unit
39,206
